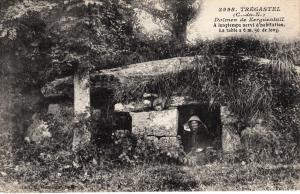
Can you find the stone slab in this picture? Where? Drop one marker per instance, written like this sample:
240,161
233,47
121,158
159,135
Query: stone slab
38,131
133,107
59,110
227,117
140,122
168,143
231,141
155,123
176,101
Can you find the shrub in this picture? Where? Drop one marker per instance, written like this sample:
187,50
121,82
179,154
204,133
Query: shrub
134,149
275,141
285,124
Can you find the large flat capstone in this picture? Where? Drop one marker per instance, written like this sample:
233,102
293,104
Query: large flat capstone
155,123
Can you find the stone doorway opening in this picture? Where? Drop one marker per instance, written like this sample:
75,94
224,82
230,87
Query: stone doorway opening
211,118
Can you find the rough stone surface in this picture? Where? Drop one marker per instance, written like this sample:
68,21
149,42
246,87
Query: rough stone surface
164,143
54,109
62,113
61,110
159,103
59,88
176,101
81,92
168,142
140,122
82,136
227,116
142,71
132,107
153,139
163,123
97,113
155,123
231,141
255,136
82,105
151,68
38,131
112,77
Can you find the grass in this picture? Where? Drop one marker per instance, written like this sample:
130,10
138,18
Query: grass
43,170
217,176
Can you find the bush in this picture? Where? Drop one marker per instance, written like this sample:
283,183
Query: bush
286,124
274,141
134,149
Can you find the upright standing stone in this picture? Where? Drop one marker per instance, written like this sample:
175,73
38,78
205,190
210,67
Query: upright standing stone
82,113
231,141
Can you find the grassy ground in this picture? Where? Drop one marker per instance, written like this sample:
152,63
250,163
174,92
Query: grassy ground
26,177
46,171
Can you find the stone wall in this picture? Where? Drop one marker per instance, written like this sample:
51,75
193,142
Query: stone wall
158,126
161,127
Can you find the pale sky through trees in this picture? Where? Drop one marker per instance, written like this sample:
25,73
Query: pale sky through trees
202,26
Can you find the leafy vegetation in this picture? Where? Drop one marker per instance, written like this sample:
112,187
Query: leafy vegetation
59,172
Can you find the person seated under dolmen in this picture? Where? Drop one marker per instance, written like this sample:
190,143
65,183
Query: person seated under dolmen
195,135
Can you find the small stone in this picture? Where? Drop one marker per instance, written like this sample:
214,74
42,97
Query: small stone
67,166
54,109
47,134
159,104
119,107
139,122
16,168
75,164
150,95
37,131
167,143
147,102
231,141
3,173
27,139
94,162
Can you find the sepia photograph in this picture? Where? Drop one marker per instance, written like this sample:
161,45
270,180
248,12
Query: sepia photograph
149,95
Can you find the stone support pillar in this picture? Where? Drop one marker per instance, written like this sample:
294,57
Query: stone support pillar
231,141
82,113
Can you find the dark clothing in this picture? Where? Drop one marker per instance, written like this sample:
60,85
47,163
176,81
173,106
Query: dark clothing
194,139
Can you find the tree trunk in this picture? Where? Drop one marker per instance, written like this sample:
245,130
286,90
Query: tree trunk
179,34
